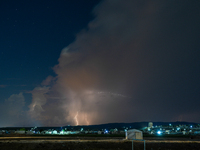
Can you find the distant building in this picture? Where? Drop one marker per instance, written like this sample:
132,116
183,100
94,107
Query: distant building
99,132
150,124
54,132
134,134
20,132
29,132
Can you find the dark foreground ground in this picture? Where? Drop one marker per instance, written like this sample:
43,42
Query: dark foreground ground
56,143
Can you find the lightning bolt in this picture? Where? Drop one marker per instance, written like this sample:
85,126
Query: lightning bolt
76,119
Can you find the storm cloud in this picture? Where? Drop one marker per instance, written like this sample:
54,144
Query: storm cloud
136,61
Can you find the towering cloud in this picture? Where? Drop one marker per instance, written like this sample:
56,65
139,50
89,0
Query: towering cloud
128,65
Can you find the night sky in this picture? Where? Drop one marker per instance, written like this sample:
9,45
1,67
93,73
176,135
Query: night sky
86,62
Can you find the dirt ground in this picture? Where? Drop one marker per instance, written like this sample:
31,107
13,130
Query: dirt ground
97,146
94,144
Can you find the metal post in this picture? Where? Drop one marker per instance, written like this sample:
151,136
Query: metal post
138,140
132,145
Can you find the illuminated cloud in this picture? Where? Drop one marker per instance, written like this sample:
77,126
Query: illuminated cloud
38,100
124,67
47,81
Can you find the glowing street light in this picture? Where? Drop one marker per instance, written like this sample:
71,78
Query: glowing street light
159,132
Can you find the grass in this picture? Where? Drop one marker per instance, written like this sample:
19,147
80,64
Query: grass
114,135
168,135
107,135
84,135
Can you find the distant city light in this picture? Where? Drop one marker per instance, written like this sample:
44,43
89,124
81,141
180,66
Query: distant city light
159,132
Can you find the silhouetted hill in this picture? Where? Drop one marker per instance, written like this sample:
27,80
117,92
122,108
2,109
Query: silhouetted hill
121,126
108,126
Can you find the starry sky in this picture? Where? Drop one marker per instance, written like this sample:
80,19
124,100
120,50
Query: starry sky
85,62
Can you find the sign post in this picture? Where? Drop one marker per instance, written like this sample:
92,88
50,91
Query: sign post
138,140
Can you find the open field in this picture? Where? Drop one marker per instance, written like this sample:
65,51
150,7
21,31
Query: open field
94,143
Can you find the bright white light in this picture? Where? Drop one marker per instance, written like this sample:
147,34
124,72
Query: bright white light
159,132
190,126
